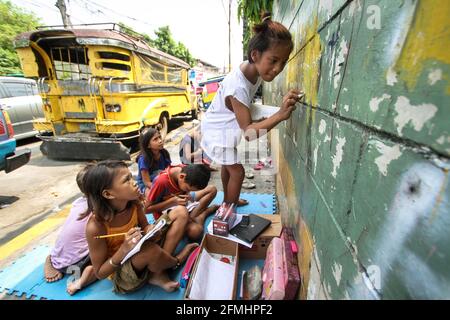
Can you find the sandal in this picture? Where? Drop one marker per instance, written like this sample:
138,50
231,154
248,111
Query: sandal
242,202
248,185
259,165
249,175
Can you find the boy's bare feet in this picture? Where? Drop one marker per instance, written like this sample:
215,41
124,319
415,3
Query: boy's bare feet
162,280
51,274
210,210
184,254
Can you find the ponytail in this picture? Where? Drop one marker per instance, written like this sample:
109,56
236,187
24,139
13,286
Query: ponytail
266,34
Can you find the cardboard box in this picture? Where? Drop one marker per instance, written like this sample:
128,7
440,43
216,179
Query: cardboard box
216,245
261,243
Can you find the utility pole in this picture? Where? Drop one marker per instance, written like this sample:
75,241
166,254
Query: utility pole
61,5
229,35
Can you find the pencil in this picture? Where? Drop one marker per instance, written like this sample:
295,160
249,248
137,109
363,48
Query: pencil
112,235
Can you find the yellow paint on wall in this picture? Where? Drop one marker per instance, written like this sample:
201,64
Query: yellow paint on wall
311,67
427,40
34,232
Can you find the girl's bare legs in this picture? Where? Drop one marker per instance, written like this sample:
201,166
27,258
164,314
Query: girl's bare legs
157,260
236,177
87,277
225,175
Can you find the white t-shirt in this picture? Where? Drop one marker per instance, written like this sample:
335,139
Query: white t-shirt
219,126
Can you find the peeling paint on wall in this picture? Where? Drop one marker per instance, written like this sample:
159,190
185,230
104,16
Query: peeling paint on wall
388,154
427,40
337,272
343,51
337,158
418,115
434,76
375,102
381,96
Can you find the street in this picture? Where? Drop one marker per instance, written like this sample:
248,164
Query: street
43,186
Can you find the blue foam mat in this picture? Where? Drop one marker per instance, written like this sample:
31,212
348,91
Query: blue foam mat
259,203
26,274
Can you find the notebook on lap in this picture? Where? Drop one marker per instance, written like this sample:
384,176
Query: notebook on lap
250,227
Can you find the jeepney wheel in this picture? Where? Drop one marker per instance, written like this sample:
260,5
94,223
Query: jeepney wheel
163,126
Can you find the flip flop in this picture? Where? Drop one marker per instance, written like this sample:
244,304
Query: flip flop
259,166
249,175
242,202
248,185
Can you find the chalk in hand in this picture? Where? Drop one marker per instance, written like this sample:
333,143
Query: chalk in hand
301,95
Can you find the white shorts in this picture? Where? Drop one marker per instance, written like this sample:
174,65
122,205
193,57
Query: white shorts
224,156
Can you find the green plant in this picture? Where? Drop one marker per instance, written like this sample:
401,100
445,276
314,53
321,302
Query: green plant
250,12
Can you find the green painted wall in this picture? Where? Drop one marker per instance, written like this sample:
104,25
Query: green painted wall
369,148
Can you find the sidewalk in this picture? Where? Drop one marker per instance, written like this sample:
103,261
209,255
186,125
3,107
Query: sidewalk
46,232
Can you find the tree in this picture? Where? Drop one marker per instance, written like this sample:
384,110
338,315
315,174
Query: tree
13,21
250,12
163,42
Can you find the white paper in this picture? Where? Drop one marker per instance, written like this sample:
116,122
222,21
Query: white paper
150,234
189,206
192,205
259,111
230,236
213,279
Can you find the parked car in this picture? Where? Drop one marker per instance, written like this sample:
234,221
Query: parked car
10,159
21,99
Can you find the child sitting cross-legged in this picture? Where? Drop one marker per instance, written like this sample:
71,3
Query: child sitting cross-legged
177,186
118,212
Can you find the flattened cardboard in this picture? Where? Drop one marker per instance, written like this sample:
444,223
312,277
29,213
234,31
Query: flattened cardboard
261,243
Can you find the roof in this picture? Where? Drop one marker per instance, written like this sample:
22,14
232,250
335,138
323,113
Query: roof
99,37
211,80
17,79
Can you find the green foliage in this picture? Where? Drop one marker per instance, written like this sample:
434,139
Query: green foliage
163,42
13,21
251,11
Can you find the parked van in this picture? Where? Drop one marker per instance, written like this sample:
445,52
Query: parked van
21,100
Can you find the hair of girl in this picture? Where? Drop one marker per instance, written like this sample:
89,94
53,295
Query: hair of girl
267,34
99,178
144,140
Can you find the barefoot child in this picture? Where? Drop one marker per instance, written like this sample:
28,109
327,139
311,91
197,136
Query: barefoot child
153,158
176,186
71,248
115,200
229,115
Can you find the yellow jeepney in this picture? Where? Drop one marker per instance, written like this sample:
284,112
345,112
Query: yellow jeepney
100,87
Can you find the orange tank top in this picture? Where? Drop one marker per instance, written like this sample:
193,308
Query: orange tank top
114,243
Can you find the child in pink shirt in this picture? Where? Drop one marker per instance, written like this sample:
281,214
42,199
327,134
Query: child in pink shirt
70,254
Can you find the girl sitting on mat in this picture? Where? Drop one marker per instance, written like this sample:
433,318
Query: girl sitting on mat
116,204
70,253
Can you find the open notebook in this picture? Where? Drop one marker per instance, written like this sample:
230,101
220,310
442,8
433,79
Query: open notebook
147,236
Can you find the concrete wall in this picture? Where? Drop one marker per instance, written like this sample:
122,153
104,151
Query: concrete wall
364,160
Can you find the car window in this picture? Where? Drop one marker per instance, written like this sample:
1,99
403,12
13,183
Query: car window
16,89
